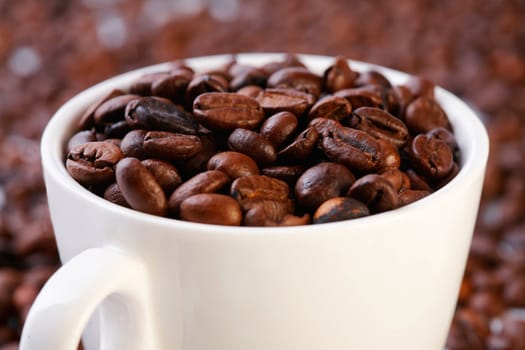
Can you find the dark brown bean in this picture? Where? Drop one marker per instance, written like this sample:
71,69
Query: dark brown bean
400,99
410,196
171,146
205,182
338,209
227,111
352,148
211,208
278,100
234,164
399,180
417,182
390,157
286,173
279,127
331,107
139,187
297,78
173,85
248,76
87,120
252,144
301,148
420,87
113,109
444,135
132,144
376,192
373,77
154,114
205,83
274,210
198,163
431,157
362,97
322,182
259,187
251,91
339,75
289,60
380,124
142,86
424,114
325,126
93,163
113,194
165,173
80,138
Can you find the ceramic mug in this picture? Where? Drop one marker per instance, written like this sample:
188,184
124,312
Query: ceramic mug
387,281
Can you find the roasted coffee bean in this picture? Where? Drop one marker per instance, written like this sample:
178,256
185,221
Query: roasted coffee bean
297,78
211,208
444,135
154,114
234,164
352,148
424,114
165,173
259,187
173,85
373,77
417,182
338,209
431,157
227,111
339,76
248,76
410,196
380,124
139,187
251,91
301,148
261,215
113,194
205,182
331,107
289,60
376,192
278,100
274,210
322,182
198,162
142,86
390,157
399,180
87,120
113,109
171,146
93,163
420,87
279,127
132,144
205,83
362,97
252,144
401,98
286,173
325,126
80,138
116,130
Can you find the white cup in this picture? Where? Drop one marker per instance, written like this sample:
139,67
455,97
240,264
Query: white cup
387,281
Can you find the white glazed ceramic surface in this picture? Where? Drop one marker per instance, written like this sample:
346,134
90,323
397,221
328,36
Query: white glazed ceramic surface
388,281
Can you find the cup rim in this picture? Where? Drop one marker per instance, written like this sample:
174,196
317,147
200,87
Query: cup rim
62,124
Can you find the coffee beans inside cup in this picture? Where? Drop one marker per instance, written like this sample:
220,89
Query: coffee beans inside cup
273,145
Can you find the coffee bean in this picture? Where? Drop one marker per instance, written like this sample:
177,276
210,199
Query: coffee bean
420,87
289,60
80,138
113,194
339,76
338,209
93,163
410,196
234,164
353,148
87,120
376,192
399,180
205,83
278,100
424,114
286,173
431,157
380,124
113,109
279,127
259,187
248,76
373,77
205,182
171,146
139,187
165,173
331,107
132,145
390,158
227,111
322,182
251,91
153,114
362,97
211,208
253,145
173,85
301,148
297,78
142,86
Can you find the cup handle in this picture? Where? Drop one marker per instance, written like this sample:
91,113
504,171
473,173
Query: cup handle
67,301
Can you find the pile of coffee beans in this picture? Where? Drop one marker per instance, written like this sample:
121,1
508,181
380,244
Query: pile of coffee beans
472,48
275,145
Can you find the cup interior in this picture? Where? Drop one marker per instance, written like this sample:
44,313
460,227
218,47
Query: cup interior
468,129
